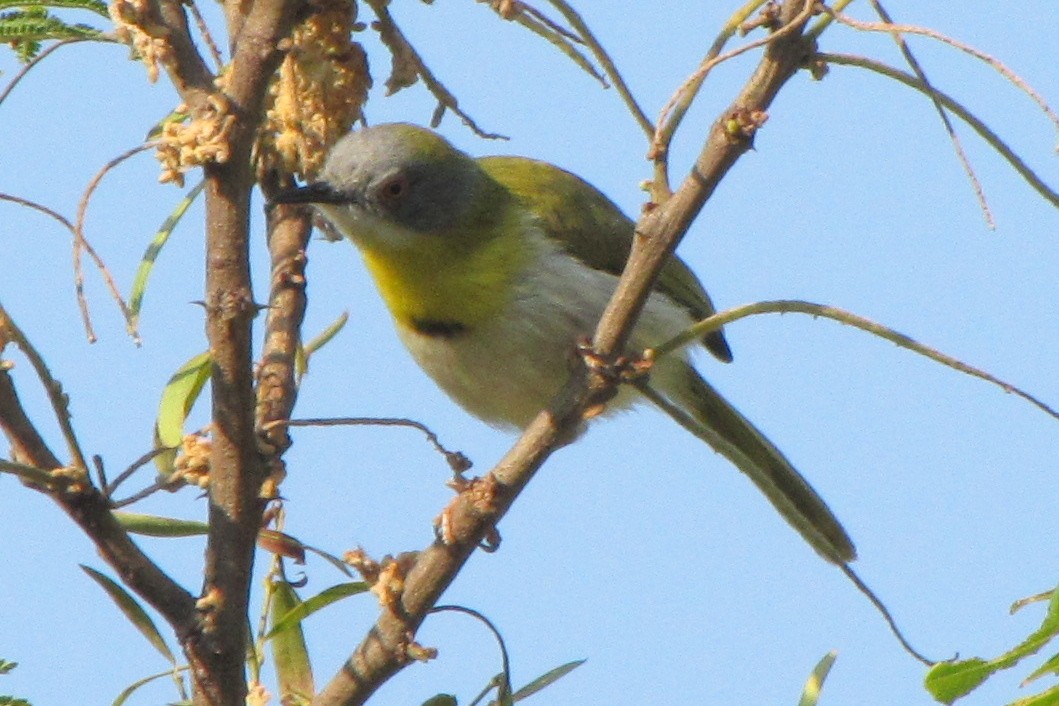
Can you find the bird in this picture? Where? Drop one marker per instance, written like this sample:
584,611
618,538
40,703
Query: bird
494,267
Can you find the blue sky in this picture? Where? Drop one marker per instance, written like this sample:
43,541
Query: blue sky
637,548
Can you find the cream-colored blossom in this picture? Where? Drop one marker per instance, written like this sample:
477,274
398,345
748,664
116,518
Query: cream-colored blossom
318,92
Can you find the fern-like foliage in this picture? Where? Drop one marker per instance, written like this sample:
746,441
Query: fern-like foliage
27,24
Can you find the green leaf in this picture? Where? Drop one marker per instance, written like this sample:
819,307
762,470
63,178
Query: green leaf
948,681
178,397
131,688
96,6
546,679
6,666
143,272
811,691
302,355
325,336
25,29
321,600
155,526
289,653
1045,698
132,610
1051,666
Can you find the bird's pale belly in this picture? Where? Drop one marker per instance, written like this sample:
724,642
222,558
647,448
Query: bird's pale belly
506,370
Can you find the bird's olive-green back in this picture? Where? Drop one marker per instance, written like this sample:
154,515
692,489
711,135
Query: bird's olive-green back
590,227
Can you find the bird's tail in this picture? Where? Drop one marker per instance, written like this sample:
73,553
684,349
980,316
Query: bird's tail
700,409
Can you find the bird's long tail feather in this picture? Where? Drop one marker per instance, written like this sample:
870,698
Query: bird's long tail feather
705,413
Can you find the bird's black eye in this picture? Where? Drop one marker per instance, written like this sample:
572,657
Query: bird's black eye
393,189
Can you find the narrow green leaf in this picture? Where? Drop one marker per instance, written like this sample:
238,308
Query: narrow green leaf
811,692
325,336
549,677
948,681
1045,698
131,688
6,666
132,610
289,653
143,272
321,600
178,397
155,526
302,355
1051,666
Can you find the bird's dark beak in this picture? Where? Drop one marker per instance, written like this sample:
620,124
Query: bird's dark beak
319,192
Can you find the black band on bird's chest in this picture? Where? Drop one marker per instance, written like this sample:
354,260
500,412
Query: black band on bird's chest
438,329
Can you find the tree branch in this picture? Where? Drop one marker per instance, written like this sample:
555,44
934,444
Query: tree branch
237,468
90,509
277,377
475,513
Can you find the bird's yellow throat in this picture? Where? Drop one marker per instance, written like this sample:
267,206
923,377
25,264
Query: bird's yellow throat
438,282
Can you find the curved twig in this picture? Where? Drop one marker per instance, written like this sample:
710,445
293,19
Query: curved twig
677,106
952,104
81,243
41,57
457,460
1001,68
957,144
10,331
586,35
842,316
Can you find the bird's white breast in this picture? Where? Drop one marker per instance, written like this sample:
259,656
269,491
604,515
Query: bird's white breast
507,369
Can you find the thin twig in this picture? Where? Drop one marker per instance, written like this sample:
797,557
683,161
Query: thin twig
957,108
81,243
145,492
399,46
504,690
677,106
204,32
90,509
39,58
881,607
715,322
558,36
825,19
548,22
1001,68
63,221
457,460
957,145
52,387
586,35
110,488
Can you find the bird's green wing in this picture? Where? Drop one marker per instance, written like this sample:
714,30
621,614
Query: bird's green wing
593,229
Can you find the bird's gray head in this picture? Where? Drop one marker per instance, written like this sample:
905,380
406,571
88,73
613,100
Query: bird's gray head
396,175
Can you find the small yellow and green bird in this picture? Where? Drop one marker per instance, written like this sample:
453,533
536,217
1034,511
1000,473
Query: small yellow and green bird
494,267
